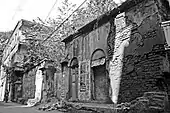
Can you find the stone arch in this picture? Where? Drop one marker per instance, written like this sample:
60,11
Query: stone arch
73,62
98,53
73,67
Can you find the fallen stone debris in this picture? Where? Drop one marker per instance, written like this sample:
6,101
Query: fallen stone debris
57,105
150,102
64,107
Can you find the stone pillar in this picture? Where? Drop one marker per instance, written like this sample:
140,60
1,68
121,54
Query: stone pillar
11,92
55,84
44,87
2,83
122,39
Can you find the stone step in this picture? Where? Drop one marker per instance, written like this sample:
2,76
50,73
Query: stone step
92,108
158,100
96,105
163,98
150,94
158,96
155,104
155,107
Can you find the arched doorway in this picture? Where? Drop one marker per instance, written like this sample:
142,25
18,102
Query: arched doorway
99,76
17,85
74,79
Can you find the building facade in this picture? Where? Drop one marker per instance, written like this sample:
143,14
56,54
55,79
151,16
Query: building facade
118,56
8,53
24,78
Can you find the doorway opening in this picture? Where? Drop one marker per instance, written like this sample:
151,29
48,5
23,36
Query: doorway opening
100,80
16,86
74,79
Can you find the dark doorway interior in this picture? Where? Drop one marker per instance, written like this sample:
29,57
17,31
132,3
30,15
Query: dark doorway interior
101,87
16,86
74,79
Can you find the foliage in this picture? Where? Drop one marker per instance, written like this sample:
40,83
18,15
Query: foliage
53,48
92,10
37,50
4,36
63,12
99,7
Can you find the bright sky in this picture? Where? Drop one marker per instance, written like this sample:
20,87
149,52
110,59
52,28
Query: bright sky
12,11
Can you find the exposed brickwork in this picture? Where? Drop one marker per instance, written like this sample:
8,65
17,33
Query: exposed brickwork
140,79
142,60
142,63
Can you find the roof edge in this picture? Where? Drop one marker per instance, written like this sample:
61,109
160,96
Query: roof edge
102,19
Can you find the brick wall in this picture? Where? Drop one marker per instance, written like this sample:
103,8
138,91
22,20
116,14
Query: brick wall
143,59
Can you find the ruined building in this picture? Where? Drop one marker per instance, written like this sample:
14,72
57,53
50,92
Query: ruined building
118,56
24,77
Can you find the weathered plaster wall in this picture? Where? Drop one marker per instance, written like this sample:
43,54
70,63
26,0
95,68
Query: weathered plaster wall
8,53
19,57
140,57
143,59
10,50
38,86
56,75
122,39
63,83
82,48
2,83
48,81
29,84
84,87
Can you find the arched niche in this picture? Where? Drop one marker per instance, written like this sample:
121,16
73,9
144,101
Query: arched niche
98,58
74,64
100,81
64,66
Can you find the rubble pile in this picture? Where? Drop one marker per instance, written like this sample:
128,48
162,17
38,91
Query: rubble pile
63,106
82,109
150,102
59,105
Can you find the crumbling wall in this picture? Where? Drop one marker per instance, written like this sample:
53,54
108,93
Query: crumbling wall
143,58
82,48
62,87
29,84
